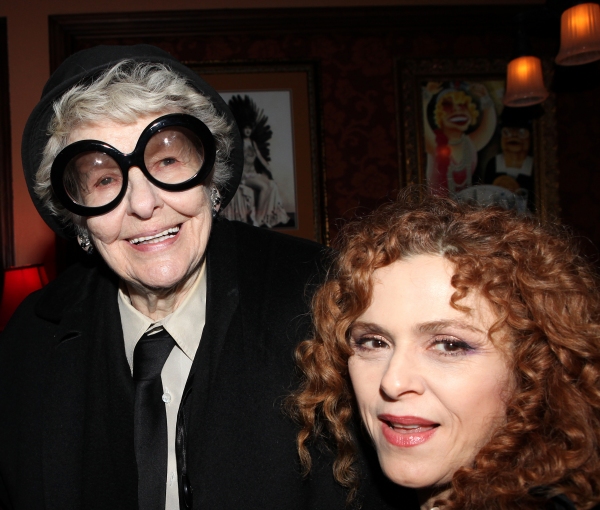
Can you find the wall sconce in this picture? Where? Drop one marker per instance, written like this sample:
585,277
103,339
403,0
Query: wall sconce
579,35
19,282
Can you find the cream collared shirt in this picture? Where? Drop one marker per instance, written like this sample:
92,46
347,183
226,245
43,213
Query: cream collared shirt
185,325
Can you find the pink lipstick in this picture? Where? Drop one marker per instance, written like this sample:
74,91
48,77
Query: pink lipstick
406,431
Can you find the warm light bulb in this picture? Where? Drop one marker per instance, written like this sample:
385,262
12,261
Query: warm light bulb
579,35
524,82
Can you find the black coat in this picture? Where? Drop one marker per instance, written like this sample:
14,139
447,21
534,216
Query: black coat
66,419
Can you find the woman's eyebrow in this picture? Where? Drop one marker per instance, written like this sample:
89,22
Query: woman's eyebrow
369,327
434,326
425,327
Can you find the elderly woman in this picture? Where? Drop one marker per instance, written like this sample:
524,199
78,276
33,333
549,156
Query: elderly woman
469,341
149,377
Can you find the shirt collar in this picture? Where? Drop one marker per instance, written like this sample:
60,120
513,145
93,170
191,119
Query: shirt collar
185,324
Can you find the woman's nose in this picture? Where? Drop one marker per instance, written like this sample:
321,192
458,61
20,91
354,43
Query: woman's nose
142,196
403,376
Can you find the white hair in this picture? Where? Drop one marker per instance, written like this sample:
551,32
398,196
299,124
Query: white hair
122,94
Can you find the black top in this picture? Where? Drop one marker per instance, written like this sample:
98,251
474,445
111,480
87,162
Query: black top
66,422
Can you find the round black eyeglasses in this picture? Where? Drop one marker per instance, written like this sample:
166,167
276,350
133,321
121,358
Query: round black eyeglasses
175,152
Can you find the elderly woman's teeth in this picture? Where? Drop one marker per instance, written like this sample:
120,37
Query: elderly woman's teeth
156,238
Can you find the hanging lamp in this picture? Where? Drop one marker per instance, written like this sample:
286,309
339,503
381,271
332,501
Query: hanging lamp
579,35
524,76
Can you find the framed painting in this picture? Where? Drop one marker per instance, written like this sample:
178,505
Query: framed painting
275,108
460,139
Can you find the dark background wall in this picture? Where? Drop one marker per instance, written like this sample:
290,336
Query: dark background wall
579,157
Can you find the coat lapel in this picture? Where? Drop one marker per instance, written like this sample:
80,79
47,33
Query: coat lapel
221,305
64,413
222,296
88,456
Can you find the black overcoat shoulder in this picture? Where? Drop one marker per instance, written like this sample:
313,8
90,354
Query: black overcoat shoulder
66,422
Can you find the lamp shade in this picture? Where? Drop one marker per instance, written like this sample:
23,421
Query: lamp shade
524,82
19,282
579,35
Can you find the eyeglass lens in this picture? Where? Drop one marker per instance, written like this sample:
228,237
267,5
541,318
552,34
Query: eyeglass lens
171,156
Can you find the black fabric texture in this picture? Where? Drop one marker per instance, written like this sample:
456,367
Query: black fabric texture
66,433
84,66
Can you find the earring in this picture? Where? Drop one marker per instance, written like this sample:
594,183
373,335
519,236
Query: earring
84,241
215,200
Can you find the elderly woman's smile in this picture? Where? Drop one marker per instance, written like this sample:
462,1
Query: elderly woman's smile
154,239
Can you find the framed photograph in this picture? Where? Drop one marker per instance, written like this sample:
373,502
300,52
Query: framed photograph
460,139
275,109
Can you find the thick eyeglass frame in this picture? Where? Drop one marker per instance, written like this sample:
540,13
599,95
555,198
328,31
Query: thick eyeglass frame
133,159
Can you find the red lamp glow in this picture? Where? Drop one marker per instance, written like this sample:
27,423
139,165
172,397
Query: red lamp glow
19,282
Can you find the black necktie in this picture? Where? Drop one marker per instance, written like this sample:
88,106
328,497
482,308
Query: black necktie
150,419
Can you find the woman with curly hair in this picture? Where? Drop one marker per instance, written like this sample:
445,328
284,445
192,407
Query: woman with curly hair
468,340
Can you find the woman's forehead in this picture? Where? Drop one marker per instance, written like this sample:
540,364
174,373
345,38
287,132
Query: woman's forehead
419,288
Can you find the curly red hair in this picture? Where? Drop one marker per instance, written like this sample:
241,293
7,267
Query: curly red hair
545,296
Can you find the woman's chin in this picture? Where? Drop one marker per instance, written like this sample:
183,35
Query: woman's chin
157,279
414,477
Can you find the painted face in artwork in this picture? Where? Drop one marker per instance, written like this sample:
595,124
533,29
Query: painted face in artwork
453,111
431,385
515,140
